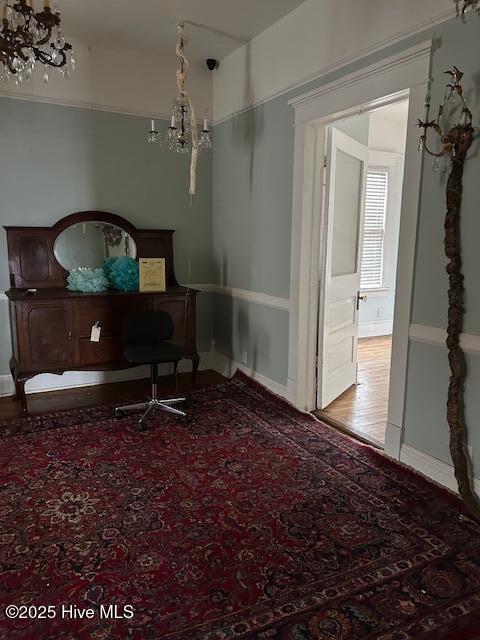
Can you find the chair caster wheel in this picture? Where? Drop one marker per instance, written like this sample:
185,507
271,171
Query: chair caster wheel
188,403
142,427
118,413
186,420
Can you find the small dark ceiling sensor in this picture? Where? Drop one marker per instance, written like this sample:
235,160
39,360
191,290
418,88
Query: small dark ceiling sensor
212,64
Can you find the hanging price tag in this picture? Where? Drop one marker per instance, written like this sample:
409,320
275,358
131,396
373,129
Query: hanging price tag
96,331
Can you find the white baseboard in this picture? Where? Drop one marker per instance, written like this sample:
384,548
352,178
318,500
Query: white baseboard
393,440
292,391
432,468
7,387
227,367
74,379
371,329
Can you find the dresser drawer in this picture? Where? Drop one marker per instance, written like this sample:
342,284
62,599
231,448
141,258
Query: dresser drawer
108,350
111,316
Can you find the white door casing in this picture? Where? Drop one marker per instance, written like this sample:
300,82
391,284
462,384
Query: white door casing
347,162
400,76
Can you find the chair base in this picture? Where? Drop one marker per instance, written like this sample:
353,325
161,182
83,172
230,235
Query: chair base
151,405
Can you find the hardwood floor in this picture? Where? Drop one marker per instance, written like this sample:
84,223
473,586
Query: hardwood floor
104,394
362,409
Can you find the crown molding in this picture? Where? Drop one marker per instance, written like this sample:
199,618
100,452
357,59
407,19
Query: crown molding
81,104
383,66
343,62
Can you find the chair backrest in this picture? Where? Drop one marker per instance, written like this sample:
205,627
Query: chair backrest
147,327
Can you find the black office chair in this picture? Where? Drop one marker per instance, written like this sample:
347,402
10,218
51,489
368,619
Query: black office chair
146,341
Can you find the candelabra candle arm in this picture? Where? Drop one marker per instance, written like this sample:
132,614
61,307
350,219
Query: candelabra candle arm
424,138
467,5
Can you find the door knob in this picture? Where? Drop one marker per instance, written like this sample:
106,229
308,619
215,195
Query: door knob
364,298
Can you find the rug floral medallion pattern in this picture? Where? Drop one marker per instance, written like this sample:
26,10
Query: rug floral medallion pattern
254,522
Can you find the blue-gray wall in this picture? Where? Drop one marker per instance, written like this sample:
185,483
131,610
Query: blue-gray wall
252,202
58,160
428,372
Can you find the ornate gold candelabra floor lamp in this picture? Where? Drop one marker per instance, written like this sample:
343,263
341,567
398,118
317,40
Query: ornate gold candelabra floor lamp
455,144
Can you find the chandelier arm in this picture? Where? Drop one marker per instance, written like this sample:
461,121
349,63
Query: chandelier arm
467,4
8,62
46,39
41,56
440,154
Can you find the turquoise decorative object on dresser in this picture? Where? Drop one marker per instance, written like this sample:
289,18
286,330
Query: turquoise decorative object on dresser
87,280
108,265
123,273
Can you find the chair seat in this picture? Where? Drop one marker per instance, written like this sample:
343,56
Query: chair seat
153,353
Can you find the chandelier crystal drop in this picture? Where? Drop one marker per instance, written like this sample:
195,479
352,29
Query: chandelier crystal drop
179,134
28,37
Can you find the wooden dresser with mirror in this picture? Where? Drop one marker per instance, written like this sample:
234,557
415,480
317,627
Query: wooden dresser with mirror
51,327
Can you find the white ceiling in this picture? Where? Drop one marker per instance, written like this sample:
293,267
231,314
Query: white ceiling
151,24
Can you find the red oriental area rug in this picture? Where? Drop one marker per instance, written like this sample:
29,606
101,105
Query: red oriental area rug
255,522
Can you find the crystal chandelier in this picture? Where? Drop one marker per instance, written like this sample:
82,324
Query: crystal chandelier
179,135
467,5
28,36
183,135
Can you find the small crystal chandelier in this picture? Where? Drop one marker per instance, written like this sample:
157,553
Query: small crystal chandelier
467,5
182,134
28,36
179,135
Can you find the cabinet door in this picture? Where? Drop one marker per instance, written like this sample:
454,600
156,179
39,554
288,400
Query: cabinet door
46,336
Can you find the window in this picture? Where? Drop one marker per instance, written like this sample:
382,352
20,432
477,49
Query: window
376,200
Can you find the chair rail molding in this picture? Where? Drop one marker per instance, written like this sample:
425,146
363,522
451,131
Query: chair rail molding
254,297
436,337
395,78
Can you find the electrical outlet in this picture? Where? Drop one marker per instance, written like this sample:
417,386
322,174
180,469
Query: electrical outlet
380,312
244,357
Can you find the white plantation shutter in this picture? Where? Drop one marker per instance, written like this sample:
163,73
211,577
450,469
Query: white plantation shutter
376,199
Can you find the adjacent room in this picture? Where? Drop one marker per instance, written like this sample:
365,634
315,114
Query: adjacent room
239,320
356,389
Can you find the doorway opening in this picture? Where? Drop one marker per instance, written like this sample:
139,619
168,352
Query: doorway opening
362,204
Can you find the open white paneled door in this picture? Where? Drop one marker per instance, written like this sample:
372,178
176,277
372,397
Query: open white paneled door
346,172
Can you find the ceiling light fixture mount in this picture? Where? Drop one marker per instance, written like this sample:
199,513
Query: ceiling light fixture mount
28,37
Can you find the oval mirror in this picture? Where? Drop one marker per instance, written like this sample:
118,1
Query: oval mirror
89,244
